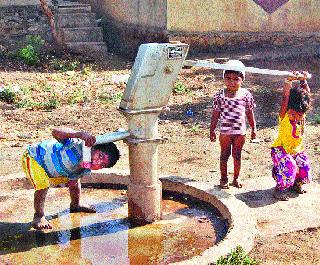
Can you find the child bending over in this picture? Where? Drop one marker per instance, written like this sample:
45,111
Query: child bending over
232,105
291,167
57,161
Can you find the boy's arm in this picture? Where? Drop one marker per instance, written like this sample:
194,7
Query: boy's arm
63,133
214,121
252,123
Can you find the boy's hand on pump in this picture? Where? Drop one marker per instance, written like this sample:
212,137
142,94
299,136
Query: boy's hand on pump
88,138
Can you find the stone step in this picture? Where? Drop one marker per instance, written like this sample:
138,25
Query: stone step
89,34
76,20
73,8
87,47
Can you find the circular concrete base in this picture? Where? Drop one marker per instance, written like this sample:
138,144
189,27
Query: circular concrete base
242,221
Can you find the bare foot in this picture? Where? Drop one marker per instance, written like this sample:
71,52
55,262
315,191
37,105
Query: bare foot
224,184
40,223
237,184
82,209
280,195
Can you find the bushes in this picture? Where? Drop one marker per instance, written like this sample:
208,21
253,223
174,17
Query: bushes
237,257
7,95
30,54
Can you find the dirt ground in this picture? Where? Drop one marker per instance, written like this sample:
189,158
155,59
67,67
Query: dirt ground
188,151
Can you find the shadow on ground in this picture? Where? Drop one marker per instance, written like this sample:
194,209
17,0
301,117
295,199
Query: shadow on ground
260,198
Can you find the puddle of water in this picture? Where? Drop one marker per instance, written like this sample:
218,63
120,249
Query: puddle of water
186,230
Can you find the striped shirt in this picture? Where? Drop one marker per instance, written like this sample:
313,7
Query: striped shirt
233,111
59,158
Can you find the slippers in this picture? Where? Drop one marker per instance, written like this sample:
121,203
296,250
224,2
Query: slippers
224,184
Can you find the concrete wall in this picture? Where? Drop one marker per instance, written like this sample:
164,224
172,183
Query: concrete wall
128,23
215,25
243,16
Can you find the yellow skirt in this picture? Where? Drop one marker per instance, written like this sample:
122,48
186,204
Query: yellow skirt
37,175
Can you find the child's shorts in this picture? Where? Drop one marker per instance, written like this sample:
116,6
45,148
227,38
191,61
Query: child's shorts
37,175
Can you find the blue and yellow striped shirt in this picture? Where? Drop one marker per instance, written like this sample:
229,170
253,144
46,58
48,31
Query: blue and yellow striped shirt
59,158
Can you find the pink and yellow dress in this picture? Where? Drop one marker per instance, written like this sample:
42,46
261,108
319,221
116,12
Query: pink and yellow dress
290,161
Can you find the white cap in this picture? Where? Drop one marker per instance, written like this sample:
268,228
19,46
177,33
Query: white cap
235,65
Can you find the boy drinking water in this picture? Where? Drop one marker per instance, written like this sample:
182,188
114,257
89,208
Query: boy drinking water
57,161
232,105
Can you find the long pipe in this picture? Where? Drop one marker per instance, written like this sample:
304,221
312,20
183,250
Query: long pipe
208,64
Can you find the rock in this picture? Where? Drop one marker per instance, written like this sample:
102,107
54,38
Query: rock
25,136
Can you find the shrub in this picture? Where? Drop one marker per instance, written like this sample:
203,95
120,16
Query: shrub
111,97
63,65
7,95
77,96
237,257
179,88
30,54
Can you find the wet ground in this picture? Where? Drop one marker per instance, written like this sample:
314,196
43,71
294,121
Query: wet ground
186,229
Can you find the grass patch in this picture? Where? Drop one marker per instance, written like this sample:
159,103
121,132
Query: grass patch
237,257
179,88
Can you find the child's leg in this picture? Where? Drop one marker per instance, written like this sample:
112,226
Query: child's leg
40,181
39,220
225,144
75,194
237,145
284,171
303,175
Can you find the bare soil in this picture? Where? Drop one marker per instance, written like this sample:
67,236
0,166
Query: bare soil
88,100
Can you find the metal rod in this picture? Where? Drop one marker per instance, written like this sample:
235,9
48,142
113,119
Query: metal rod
208,64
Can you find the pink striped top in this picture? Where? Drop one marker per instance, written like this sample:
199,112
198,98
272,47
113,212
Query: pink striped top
233,111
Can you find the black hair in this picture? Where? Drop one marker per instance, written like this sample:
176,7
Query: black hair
111,150
299,100
238,73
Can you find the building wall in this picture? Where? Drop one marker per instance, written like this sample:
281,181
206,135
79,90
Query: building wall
244,15
128,23
215,25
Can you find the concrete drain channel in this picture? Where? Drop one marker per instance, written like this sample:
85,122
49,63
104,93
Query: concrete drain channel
199,224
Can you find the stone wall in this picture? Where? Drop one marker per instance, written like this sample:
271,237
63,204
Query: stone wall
19,21
20,2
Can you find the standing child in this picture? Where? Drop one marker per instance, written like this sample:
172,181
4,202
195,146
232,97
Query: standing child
232,105
53,162
291,167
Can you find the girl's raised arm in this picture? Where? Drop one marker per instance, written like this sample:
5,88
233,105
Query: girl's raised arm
285,97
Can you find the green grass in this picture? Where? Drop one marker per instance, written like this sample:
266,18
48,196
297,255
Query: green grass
179,88
237,257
